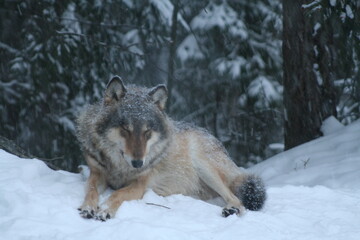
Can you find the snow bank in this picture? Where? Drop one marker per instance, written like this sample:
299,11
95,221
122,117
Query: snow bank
331,125
332,160
38,203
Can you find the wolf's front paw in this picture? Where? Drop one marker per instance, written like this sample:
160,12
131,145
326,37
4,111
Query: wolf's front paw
104,215
87,212
230,211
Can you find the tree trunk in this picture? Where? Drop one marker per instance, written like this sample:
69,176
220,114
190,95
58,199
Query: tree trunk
172,52
306,95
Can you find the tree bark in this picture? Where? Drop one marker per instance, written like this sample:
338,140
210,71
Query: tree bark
306,98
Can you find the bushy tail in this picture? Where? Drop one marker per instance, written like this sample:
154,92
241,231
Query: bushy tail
251,192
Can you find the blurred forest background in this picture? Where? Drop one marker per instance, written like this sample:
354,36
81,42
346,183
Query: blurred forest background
222,61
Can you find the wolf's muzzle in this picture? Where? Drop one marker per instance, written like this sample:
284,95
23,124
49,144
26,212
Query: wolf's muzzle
137,163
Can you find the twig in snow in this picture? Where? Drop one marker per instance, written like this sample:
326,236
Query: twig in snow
158,205
306,162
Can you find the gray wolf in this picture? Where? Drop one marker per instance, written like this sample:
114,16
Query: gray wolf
130,145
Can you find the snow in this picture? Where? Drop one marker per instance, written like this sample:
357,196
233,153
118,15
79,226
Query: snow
166,9
221,16
332,161
314,5
343,16
313,193
67,123
189,49
69,20
9,48
230,66
132,39
349,12
331,125
317,26
268,91
276,146
316,70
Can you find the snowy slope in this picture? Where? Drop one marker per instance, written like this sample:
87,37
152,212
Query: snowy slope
318,201
332,161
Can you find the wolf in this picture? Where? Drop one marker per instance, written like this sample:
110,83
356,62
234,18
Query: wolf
131,145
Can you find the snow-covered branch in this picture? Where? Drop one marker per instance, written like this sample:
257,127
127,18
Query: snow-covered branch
9,49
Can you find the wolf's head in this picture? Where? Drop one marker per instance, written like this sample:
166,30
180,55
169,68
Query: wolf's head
136,124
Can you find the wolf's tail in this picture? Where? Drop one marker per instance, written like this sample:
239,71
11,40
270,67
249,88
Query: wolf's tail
251,191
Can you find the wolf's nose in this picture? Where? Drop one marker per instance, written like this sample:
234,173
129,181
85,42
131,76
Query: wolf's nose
137,163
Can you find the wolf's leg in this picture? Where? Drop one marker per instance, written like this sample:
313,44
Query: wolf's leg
217,182
134,191
95,185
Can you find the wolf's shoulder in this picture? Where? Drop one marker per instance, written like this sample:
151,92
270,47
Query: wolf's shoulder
181,126
201,134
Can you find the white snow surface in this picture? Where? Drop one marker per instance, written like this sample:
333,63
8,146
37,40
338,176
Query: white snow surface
331,125
166,9
349,12
313,193
222,16
261,86
189,49
333,2
332,161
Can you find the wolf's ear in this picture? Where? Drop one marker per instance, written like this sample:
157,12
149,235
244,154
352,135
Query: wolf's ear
115,90
159,95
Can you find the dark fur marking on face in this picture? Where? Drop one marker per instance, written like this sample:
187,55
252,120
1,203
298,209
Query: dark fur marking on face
112,120
96,159
102,126
103,157
157,124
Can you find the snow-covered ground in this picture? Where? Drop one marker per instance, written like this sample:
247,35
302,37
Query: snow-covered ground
313,193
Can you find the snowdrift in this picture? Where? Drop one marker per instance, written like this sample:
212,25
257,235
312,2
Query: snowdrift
332,161
312,194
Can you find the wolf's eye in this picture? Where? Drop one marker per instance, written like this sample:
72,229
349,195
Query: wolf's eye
124,131
147,134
